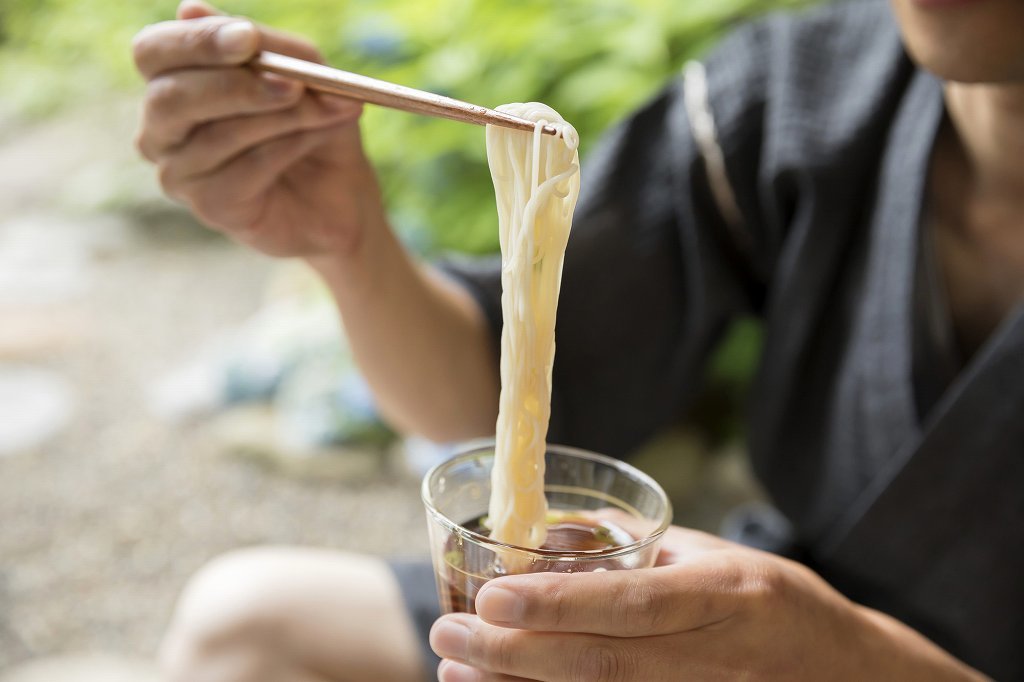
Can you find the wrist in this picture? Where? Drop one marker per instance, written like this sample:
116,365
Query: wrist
340,268
357,227
894,651
362,270
352,264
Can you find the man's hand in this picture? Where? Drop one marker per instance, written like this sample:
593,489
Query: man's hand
254,155
711,610
282,170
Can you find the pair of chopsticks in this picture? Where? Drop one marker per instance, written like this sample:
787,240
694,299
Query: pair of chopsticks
385,94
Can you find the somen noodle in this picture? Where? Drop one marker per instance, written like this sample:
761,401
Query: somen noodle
536,184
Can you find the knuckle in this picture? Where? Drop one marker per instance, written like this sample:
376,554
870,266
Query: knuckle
724,585
148,42
565,607
195,194
204,198
217,202
764,585
200,38
600,663
501,652
141,45
637,606
218,136
164,97
167,177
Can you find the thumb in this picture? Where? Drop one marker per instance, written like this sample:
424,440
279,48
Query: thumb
194,9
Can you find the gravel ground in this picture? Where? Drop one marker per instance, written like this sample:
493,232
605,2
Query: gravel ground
101,525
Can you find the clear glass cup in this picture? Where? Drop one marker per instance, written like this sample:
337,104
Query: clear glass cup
592,500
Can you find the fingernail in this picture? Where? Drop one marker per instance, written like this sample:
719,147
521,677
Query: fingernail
450,639
236,40
499,605
450,671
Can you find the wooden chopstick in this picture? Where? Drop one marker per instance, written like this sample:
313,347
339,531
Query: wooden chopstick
385,94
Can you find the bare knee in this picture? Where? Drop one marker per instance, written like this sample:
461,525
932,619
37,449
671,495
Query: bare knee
263,614
225,629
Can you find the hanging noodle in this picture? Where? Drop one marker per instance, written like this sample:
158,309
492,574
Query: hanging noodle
536,183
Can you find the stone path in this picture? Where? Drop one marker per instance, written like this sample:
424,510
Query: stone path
101,523
87,668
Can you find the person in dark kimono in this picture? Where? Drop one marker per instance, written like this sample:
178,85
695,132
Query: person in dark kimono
853,175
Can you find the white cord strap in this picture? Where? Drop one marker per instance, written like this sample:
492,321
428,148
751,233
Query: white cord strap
702,125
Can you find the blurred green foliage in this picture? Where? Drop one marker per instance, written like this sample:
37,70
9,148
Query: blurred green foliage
592,60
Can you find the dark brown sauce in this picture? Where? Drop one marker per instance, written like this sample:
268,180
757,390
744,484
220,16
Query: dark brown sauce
467,566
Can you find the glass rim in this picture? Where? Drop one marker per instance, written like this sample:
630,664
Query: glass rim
475,448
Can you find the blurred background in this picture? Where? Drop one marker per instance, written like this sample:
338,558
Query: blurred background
166,396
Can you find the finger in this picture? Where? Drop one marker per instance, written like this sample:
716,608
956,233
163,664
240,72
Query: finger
638,528
680,540
285,43
552,657
215,144
697,592
206,41
178,102
453,671
225,198
270,39
678,544
193,9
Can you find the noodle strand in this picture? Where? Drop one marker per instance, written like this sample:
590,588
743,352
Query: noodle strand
536,184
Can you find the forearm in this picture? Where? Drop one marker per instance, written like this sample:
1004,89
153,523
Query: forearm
421,341
901,653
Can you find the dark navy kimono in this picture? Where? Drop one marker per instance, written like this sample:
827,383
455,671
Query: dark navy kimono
899,465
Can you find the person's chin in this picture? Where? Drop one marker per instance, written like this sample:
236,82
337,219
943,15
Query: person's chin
969,41
966,69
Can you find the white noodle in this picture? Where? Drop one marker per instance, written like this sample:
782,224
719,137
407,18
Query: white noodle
536,183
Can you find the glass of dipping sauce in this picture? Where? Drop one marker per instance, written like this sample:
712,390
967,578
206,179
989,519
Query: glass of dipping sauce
603,515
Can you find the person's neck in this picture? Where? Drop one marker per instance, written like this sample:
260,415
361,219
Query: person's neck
989,124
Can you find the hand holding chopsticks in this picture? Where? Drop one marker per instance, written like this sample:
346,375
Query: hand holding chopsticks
383,93
240,138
